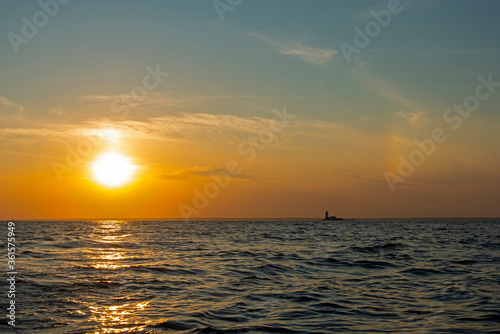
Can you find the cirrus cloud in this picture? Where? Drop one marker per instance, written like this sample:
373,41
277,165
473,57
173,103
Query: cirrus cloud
309,54
8,107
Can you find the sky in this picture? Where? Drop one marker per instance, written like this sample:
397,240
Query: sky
250,109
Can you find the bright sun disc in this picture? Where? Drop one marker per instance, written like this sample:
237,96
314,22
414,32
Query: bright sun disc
112,169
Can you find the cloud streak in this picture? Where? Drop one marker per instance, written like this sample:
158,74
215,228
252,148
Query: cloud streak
179,127
416,118
385,88
309,54
193,173
8,107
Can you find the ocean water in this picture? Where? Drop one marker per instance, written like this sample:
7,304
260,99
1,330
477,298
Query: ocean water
374,276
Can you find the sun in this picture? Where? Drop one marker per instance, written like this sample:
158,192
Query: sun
112,169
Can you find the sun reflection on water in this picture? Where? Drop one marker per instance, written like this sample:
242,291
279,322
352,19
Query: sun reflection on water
119,318
112,256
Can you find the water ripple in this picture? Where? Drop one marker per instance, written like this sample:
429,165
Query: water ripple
258,277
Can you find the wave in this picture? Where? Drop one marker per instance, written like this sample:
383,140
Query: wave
378,248
266,277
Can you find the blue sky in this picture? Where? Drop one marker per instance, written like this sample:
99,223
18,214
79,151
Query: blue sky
432,50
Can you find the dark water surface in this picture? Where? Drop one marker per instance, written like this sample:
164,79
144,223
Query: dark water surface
419,276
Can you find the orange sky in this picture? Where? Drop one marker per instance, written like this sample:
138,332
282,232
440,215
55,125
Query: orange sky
307,168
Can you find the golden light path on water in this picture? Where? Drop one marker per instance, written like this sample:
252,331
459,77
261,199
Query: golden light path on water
119,317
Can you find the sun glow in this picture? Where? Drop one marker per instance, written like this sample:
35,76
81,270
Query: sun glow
112,169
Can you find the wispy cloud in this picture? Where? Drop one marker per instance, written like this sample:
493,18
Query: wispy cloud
162,99
177,99
196,172
385,88
309,54
416,118
8,107
221,129
193,126
180,127
98,98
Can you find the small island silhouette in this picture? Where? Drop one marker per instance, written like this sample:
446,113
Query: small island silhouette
327,217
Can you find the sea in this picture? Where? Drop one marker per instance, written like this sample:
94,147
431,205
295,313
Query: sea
258,276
